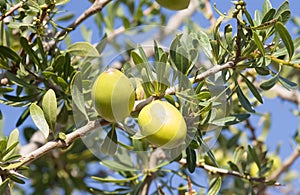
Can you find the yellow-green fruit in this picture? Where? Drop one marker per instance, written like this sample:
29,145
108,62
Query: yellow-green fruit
162,124
113,95
174,4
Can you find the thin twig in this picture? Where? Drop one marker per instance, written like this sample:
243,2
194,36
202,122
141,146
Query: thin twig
251,128
282,169
97,6
214,70
155,156
285,94
70,138
221,171
12,10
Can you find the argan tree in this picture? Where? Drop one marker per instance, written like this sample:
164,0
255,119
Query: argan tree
194,77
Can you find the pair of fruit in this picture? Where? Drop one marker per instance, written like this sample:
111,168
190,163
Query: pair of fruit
160,122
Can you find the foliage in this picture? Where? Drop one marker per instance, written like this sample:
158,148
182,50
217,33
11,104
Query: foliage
50,76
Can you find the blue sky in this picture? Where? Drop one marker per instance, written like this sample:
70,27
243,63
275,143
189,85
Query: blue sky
284,123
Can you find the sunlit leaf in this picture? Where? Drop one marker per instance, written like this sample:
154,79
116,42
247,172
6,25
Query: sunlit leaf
78,99
83,49
114,180
4,186
215,186
287,83
49,105
286,38
39,120
254,155
258,42
110,142
266,6
11,143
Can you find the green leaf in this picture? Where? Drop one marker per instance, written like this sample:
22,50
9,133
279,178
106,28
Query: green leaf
83,49
268,84
191,159
23,117
258,42
110,142
12,77
254,155
238,153
28,49
11,144
49,105
286,38
4,186
9,53
138,60
16,179
39,120
230,120
266,6
42,52
244,101
114,180
283,7
205,45
233,166
262,71
253,89
8,153
78,99
215,187
287,83
6,89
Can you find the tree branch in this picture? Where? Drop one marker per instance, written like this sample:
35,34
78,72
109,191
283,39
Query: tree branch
155,156
70,138
285,165
285,94
282,169
12,9
221,171
97,6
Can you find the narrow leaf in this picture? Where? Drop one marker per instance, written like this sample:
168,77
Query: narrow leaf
253,89
83,49
191,159
215,187
4,186
287,83
39,120
110,143
11,143
286,38
78,99
258,42
244,101
9,53
204,44
266,6
266,85
49,106
28,49
114,180
254,155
